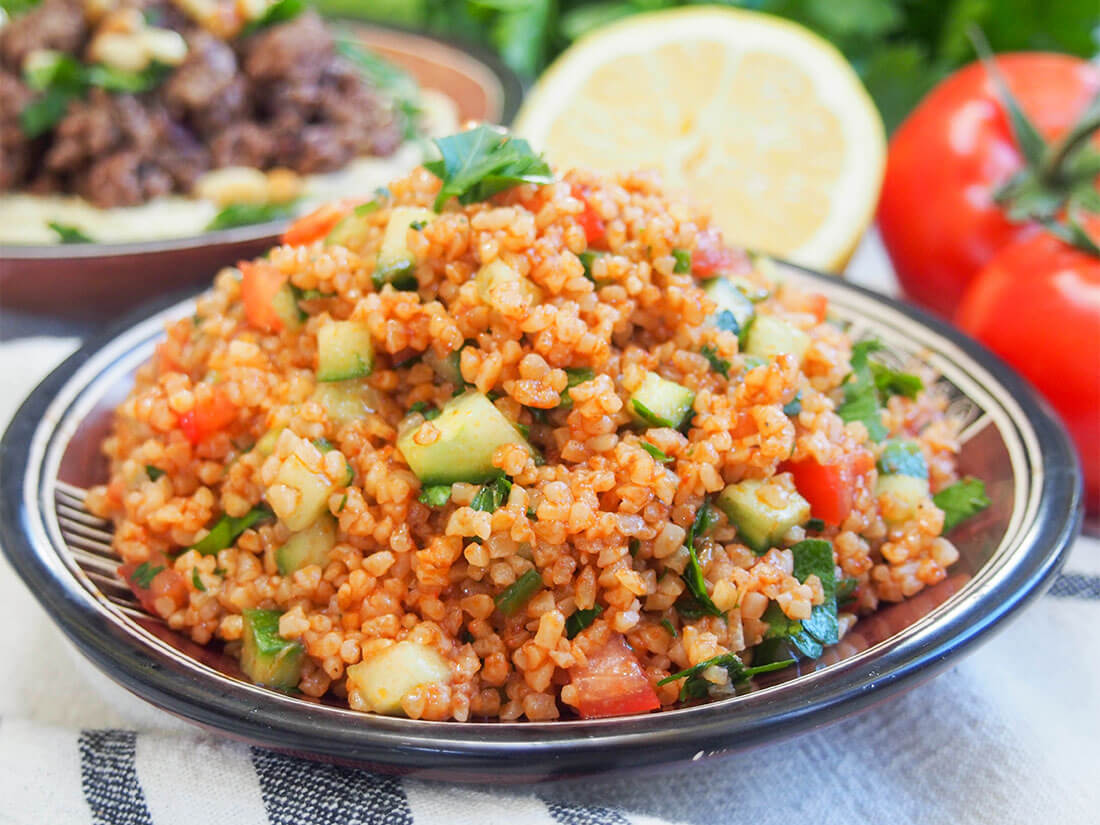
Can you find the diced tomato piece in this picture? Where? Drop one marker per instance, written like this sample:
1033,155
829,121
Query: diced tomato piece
166,582
612,683
259,283
318,223
830,488
712,257
208,417
590,221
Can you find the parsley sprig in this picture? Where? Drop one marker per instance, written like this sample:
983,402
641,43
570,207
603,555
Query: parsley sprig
479,163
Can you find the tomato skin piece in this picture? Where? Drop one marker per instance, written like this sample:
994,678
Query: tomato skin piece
166,583
318,223
937,216
612,683
207,417
712,257
830,488
589,219
260,282
1037,305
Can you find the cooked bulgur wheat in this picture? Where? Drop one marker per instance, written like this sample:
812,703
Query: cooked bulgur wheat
601,519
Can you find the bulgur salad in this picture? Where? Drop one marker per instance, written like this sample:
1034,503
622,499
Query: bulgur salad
500,444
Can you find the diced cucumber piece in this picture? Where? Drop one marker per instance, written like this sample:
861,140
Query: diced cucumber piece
396,264
900,496
345,401
762,525
659,402
470,431
313,491
769,336
285,304
751,290
384,679
903,457
266,445
496,274
351,231
310,546
266,657
448,368
734,309
344,351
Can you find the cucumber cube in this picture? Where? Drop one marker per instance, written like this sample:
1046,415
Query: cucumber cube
345,401
769,336
762,524
659,402
285,304
492,277
266,445
351,231
899,496
388,676
313,491
310,546
734,309
903,457
396,264
266,657
447,368
344,351
470,431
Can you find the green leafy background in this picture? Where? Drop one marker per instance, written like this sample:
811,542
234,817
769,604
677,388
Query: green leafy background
901,48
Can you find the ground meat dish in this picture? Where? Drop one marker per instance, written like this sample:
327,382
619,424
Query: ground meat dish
277,96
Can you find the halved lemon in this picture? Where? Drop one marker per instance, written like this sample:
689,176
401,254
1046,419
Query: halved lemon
752,115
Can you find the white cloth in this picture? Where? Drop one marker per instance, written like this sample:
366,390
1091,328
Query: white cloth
1009,735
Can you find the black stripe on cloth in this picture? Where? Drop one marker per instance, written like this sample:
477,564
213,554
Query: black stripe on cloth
296,791
1076,586
584,815
109,778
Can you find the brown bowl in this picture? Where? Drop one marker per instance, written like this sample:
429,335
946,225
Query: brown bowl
98,281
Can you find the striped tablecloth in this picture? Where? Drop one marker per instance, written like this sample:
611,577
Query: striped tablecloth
1009,735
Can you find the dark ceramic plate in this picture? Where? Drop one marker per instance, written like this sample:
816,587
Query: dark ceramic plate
100,280
1009,554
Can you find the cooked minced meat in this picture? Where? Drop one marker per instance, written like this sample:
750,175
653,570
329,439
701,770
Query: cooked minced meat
277,96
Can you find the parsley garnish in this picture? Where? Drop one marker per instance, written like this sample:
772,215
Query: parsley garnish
519,593
428,412
719,365
861,401
808,637
153,472
815,524
667,625
435,496
586,258
574,376
580,620
323,444
68,233
227,529
846,591
647,415
696,687
656,452
195,580
889,382
144,574
696,602
477,164
278,12
683,261
492,496
794,406
247,214
960,501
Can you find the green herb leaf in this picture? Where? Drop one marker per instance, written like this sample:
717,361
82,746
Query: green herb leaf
586,258
45,112
656,452
581,619
815,557
647,415
846,591
247,214
574,376
226,530
696,601
667,625
492,496
69,234
195,580
144,574
893,382
278,12
323,444
794,406
710,352
519,592
860,393
397,84
153,472
960,501
696,687
120,81
815,524
477,164
435,496
683,261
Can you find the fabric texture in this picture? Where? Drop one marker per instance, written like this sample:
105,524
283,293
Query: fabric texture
1011,734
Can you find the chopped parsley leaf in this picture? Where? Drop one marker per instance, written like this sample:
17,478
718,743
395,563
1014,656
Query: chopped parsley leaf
227,529
683,261
153,472
794,406
195,580
719,365
492,496
247,214
696,601
519,593
436,495
861,401
815,524
580,620
960,501
656,452
68,233
695,686
667,625
144,574
889,382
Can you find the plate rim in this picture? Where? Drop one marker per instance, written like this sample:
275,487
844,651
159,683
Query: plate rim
477,751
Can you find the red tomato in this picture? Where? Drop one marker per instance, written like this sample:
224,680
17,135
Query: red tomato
1037,305
830,488
612,683
208,416
590,221
712,257
937,216
259,283
165,582
317,223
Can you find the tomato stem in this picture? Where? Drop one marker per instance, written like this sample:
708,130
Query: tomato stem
1056,166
